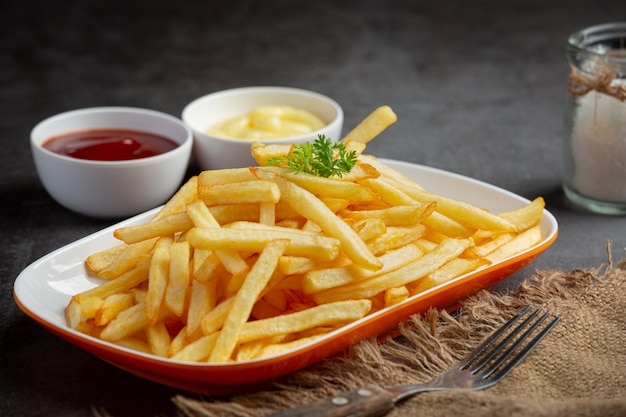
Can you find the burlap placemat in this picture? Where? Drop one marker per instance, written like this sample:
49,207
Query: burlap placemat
578,370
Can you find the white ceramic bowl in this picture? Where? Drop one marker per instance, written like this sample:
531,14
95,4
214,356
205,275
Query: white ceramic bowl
212,152
112,189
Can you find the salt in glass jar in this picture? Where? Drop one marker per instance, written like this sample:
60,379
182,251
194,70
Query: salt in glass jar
595,133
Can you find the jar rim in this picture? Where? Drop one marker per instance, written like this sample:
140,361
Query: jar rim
585,39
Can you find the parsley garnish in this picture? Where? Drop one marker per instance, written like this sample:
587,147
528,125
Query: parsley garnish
318,158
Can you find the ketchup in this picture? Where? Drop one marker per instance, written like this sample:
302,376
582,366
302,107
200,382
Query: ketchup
109,144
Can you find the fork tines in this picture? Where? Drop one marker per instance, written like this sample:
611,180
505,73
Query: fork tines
508,346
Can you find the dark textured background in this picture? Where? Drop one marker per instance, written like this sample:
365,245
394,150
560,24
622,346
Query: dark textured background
478,86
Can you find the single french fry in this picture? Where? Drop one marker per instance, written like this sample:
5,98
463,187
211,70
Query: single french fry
256,280
225,176
370,127
158,339
100,260
165,226
178,285
323,315
518,244
255,191
128,259
317,247
158,277
453,269
526,216
203,299
329,187
413,271
125,282
466,214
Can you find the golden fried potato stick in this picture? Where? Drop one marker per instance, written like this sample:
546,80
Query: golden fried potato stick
370,127
158,276
158,339
224,176
467,214
526,216
252,287
179,277
330,187
454,268
322,315
254,191
314,246
443,253
128,259
518,244
100,260
165,226
125,282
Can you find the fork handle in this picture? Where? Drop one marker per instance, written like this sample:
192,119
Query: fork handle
369,401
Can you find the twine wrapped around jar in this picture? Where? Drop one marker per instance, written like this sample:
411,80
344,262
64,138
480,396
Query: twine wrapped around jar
580,84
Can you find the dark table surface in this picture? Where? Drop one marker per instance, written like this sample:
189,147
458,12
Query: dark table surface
479,89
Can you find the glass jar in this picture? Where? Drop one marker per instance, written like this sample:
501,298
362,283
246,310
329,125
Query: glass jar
595,128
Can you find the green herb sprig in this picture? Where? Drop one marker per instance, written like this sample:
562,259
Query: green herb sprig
318,158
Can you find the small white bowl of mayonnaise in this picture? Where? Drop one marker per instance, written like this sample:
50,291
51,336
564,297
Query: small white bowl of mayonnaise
226,123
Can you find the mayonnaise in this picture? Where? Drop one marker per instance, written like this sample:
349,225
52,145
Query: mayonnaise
268,122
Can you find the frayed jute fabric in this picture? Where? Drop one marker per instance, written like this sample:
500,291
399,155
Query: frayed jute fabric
578,370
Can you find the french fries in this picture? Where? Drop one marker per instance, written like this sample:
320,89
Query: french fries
249,262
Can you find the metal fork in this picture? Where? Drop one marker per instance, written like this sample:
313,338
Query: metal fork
488,364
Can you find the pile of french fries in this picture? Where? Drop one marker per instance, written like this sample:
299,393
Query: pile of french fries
245,263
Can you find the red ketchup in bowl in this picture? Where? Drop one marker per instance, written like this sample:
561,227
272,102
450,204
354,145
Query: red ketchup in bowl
109,144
